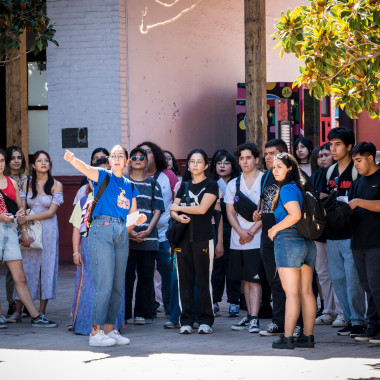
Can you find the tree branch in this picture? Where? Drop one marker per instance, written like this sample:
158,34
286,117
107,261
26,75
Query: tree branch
3,62
175,18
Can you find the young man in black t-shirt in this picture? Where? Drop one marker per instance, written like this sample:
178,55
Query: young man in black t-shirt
342,269
364,199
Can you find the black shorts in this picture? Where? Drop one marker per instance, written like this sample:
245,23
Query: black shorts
246,265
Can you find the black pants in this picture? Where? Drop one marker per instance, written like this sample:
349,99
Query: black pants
220,278
195,259
278,294
367,263
143,262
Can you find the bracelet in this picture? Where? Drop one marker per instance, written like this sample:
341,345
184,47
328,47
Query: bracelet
76,253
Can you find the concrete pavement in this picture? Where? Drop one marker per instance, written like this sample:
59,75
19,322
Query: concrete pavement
156,353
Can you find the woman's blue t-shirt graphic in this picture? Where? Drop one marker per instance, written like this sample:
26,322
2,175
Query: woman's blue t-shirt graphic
117,198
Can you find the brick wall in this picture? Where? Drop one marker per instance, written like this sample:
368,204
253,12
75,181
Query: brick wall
83,76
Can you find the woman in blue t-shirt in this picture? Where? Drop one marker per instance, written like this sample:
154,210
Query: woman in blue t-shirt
108,242
295,255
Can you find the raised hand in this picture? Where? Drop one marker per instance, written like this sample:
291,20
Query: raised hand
69,156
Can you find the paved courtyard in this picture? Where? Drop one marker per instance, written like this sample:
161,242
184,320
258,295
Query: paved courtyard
155,353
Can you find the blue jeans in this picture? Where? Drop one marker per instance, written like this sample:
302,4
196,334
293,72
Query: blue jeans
108,244
163,267
345,280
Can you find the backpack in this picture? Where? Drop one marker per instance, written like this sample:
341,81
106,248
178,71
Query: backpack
354,173
313,216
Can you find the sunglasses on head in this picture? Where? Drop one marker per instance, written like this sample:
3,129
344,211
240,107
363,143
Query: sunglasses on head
140,158
281,155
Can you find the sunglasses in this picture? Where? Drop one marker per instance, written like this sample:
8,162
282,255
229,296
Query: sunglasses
140,158
281,155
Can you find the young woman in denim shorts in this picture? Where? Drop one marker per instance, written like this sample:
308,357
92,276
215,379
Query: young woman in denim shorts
10,249
295,255
108,243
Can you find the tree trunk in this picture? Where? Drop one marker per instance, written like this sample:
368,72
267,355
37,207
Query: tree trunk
255,72
17,100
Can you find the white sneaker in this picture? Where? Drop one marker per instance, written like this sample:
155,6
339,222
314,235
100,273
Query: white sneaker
297,331
186,330
3,322
205,329
15,317
324,319
120,340
339,321
254,325
140,321
101,340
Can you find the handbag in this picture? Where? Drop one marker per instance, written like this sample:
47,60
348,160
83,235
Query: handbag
34,229
176,230
10,204
242,204
89,207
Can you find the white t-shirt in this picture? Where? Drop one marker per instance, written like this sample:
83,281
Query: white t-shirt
254,195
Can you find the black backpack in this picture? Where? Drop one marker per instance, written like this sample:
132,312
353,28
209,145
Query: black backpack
313,216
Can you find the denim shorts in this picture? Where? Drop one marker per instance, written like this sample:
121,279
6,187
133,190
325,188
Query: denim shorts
291,250
9,244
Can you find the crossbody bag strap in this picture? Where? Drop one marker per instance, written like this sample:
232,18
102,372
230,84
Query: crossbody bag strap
187,198
99,194
265,180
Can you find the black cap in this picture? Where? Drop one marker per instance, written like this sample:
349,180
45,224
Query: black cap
143,152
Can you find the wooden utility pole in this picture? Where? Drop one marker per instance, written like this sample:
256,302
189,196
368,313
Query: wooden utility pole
255,72
17,99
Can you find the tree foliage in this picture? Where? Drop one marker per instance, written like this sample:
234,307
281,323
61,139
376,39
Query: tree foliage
16,16
339,43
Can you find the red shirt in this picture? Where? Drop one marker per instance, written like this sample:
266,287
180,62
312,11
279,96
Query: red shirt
10,192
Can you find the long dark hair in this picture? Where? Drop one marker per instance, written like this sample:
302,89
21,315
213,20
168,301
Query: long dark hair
187,175
314,159
50,181
292,175
305,142
175,169
8,159
97,150
158,154
235,172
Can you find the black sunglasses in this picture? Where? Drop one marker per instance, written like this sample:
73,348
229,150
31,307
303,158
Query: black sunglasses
140,158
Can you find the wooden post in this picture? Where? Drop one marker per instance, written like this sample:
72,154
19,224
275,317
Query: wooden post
16,94
255,72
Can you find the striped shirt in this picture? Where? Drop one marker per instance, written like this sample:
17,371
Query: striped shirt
147,201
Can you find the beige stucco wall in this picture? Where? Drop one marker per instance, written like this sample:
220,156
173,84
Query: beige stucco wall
182,77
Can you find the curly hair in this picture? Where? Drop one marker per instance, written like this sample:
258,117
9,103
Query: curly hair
292,175
158,154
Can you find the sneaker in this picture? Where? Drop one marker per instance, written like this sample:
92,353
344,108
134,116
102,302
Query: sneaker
271,330
345,330
15,317
120,340
234,310
216,309
284,343
160,309
325,319
195,325
297,331
3,322
369,333
205,329
339,321
357,330
101,340
254,325
304,341
243,324
186,330
375,339
70,328
171,325
42,321
140,321
11,309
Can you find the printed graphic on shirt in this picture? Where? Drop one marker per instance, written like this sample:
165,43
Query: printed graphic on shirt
269,194
122,201
194,198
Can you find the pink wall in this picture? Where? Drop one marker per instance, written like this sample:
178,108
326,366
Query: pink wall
368,130
182,76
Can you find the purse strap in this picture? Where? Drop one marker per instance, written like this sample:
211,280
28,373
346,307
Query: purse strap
99,194
188,201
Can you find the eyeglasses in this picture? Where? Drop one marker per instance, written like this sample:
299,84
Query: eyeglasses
45,161
196,162
140,158
223,163
117,157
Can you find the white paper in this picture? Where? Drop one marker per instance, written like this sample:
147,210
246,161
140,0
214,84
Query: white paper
222,185
132,218
342,198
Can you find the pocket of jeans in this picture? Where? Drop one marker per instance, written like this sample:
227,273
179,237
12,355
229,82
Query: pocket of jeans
295,247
